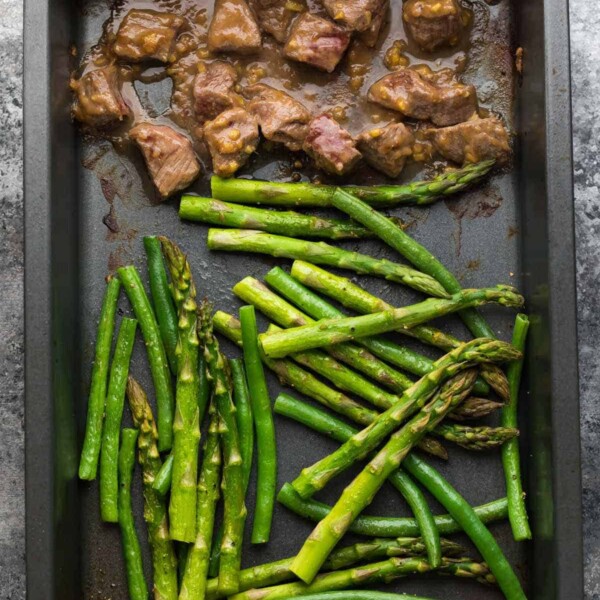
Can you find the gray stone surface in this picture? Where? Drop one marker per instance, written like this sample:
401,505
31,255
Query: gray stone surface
585,25
12,510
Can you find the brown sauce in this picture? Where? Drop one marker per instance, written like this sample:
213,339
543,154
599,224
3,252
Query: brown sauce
343,93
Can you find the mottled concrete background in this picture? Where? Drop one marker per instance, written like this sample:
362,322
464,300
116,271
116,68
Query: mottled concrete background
585,28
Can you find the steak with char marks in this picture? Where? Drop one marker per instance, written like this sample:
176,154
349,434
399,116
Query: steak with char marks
231,138
234,28
317,42
98,101
387,148
330,146
281,118
412,95
433,23
214,90
169,157
147,35
356,15
473,141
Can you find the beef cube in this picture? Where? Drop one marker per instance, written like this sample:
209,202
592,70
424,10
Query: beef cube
370,36
147,35
214,90
330,146
317,42
281,118
387,148
412,95
433,23
169,157
231,138
234,28
356,15
473,141
98,101
274,17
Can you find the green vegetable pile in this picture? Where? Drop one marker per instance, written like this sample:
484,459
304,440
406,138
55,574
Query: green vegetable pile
215,416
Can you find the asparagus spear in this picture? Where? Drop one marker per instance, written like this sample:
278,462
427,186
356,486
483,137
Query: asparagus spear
234,516
312,509
186,426
266,481
412,251
360,493
293,224
156,354
274,307
474,408
245,240
476,438
194,582
352,296
370,574
291,374
90,452
245,422
335,331
318,308
360,595
377,548
315,477
517,512
115,401
473,526
434,447
162,300
164,561
250,191
136,583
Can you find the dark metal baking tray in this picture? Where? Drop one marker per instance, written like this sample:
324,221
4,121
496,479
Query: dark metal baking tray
528,240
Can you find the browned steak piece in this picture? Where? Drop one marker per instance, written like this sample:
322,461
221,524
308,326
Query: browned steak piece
147,35
98,101
370,36
169,157
234,28
473,141
214,90
281,118
433,23
317,42
274,17
387,148
412,95
356,15
231,138
330,146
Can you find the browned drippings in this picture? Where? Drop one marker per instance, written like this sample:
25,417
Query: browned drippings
343,92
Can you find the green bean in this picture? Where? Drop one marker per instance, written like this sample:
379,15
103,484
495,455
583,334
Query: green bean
265,431
165,400
88,465
472,525
162,300
412,251
360,595
517,512
314,510
115,402
327,424
131,545
162,481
